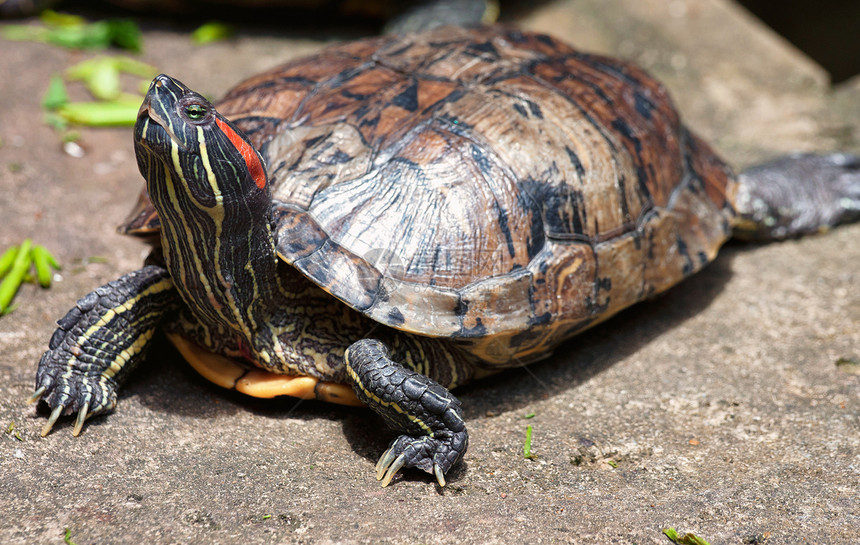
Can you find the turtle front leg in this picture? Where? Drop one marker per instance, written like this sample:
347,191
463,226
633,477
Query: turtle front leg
428,415
99,341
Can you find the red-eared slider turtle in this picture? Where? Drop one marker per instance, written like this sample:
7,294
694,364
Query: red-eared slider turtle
405,214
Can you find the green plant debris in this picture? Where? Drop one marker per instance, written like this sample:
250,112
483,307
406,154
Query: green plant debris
56,95
23,258
68,537
15,277
44,262
213,31
848,365
267,517
74,32
53,120
527,445
101,114
11,430
102,79
125,34
15,167
7,259
529,416
686,539
101,75
612,463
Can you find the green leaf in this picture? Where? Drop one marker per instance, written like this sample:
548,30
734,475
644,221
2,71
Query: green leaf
529,416
92,36
213,31
102,75
75,33
103,82
56,94
125,34
101,114
686,539
135,68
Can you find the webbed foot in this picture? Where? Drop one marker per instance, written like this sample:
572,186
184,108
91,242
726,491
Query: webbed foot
429,416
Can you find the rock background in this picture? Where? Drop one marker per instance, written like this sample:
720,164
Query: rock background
717,409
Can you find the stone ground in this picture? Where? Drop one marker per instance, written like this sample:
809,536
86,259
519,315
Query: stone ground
717,409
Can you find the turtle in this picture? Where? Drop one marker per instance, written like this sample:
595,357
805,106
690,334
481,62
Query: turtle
397,216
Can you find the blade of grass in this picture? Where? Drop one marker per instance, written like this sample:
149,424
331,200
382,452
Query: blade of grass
527,445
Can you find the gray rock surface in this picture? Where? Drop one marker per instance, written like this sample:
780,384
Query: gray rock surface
717,409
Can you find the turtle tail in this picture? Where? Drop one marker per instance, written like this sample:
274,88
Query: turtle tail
796,195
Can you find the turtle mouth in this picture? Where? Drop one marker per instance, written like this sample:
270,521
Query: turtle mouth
148,120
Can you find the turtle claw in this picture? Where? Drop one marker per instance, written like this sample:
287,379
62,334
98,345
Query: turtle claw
83,414
384,462
37,395
389,464
55,415
433,455
391,470
440,475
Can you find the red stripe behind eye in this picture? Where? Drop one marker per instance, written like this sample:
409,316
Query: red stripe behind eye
252,160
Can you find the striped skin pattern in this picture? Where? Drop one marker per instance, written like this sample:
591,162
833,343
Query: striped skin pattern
100,341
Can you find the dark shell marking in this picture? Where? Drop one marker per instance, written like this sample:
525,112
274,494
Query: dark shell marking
488,185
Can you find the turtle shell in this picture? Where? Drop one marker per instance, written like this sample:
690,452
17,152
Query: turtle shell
488,185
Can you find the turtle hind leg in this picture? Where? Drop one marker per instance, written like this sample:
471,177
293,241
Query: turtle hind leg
434,435
796,195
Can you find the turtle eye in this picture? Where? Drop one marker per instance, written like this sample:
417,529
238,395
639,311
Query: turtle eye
195,112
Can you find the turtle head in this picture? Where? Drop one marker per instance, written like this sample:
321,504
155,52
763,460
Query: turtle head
180,140
209,187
